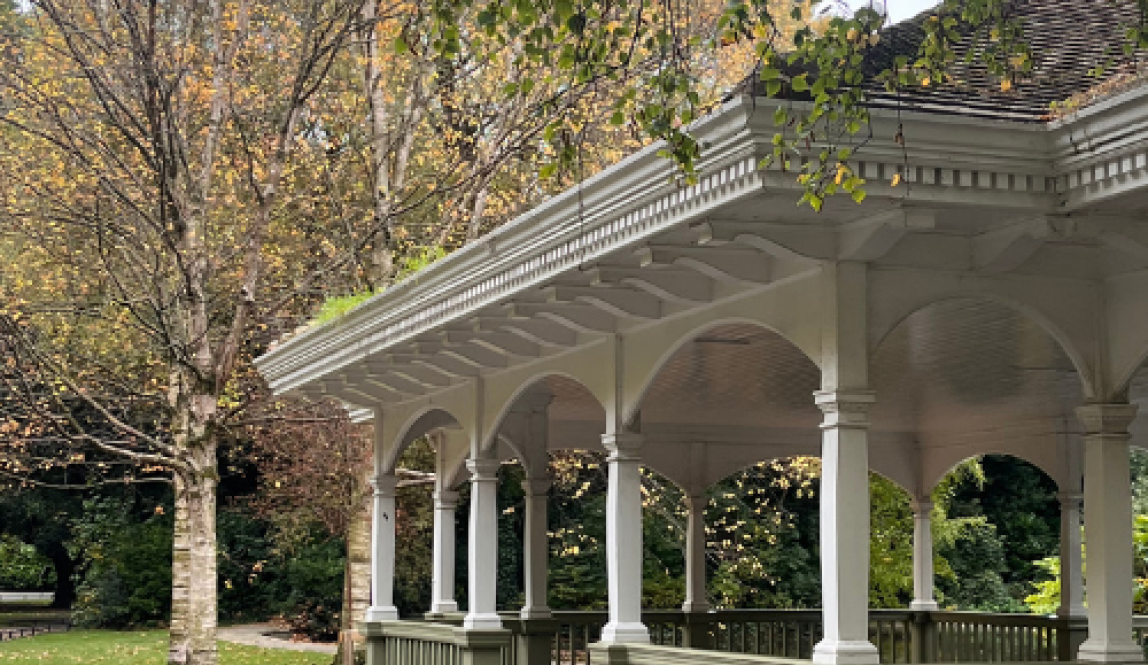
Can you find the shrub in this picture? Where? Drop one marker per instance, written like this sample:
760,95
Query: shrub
22,568
126,564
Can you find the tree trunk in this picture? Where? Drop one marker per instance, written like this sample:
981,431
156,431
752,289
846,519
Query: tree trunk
194,592
65,586
357,581
180,576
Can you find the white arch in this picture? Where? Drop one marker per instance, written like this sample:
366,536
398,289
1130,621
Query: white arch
934,479
499,406
1066,315
424,420
643,368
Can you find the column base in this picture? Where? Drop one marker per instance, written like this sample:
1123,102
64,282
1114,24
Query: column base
536,613
625,633
377,613
481,622
924,606
444,607
695,608
1074,612
1095,651
858,652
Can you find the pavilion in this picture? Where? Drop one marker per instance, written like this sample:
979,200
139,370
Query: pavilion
996,301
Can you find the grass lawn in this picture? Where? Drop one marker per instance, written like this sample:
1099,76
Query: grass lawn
146,647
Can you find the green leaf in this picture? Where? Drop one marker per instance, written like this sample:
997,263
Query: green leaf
858,195
577,24
799,84
618,118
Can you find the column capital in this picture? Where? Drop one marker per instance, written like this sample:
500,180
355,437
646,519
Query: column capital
445,500
922,506
697,501
536,486
845,408
1100,418
1070,499
384,485
483,470
623,446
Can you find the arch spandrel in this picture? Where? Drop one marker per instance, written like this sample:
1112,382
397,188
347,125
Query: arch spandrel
792,310
590,368
392,443
1127,330
948,459
1068,312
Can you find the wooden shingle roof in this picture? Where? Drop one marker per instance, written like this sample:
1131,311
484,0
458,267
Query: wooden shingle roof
1069,38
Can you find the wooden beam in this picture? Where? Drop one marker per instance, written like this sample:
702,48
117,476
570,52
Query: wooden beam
580,318
619,302
684,286
726,264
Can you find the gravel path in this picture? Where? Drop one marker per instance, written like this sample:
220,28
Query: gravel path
269,637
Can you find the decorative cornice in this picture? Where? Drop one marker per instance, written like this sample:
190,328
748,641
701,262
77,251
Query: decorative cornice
1040,167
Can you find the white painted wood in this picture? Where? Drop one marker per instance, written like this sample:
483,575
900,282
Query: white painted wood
1108,529
923,585
442,579
845,531
1071,557
696,598
383,550
482,557
624,540
746,266
536,549
845,401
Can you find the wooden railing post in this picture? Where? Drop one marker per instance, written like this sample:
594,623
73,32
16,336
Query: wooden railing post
696,630
1070,634
534,639
372,632
923,638
482,646
608,654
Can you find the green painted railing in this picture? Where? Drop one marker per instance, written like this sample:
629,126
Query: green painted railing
901,636
431,643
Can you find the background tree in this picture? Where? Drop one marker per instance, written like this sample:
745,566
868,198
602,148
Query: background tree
161,134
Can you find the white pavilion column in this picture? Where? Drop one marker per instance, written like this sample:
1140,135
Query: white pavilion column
696,599
1108,528
537,549
923,598
483,545
383,550
442,581
624,540
845,529
1071,557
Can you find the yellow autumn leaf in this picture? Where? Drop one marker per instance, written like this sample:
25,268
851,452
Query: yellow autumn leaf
896,180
